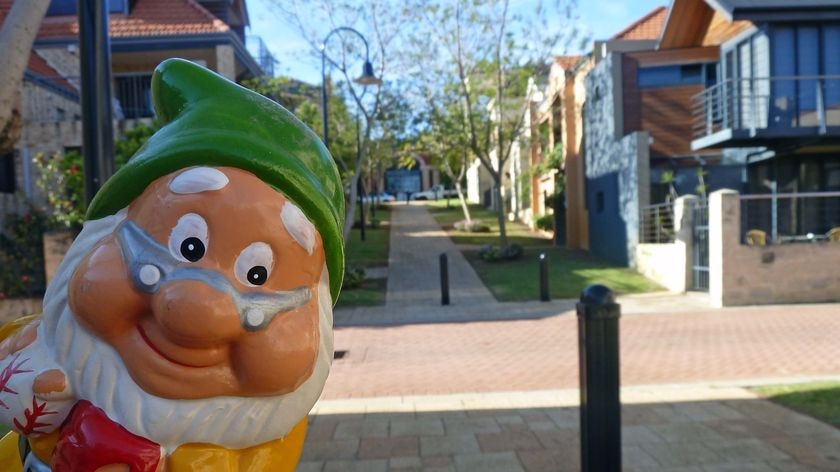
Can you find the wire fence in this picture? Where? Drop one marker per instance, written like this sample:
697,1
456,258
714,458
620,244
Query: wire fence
790,218
657,224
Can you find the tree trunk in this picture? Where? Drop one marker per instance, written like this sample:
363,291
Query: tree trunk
350,211
500,214
463,201
16,38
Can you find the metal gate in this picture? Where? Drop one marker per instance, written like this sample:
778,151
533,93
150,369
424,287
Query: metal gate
700,249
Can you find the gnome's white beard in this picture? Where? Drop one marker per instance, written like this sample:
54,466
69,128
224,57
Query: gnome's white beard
97,373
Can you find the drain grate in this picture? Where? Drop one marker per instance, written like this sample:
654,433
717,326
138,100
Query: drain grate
339,354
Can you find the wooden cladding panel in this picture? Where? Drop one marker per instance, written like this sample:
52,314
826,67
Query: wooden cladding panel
666,114
675,56
687,24
722,30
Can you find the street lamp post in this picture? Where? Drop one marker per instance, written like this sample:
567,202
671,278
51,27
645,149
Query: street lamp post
367,77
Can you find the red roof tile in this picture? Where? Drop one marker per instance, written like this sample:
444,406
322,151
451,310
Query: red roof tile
567,62
646,27
147,18
39,66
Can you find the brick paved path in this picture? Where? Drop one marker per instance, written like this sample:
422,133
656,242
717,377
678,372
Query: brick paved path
413,268
677,428
733,343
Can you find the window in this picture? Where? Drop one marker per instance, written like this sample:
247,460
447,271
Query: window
133,96
7,173
670,76
68,7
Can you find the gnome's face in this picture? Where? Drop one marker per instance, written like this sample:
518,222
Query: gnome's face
208,288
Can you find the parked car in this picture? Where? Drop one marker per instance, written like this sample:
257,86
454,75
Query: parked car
434,192
382,197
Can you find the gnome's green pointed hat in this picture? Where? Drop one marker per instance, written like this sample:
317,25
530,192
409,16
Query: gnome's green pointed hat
210,121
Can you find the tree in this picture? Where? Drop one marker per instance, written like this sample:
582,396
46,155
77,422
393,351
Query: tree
446,139
489,52
16,37
380,23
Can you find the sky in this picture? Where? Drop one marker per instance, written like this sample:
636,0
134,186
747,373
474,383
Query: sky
601,18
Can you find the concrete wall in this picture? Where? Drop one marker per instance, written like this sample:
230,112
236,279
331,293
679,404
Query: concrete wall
624,161
753,275
669,265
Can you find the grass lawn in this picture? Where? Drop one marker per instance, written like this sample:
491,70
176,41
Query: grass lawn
372,252
820,399
569,271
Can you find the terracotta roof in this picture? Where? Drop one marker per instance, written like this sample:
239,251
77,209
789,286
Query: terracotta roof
147,18
646,27
567,62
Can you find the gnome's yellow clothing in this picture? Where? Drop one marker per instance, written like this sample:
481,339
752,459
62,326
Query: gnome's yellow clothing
280,455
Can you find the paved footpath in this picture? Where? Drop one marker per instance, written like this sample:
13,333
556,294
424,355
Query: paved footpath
487,386
413,267
687,428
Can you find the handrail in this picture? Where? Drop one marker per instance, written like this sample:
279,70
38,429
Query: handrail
721,84
764,196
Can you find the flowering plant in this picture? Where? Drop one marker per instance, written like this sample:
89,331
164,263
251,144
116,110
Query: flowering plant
62,182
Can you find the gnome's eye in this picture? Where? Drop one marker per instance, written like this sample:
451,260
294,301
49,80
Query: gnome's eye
188,239
254,264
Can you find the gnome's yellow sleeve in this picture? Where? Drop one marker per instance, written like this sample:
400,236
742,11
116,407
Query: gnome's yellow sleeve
13,326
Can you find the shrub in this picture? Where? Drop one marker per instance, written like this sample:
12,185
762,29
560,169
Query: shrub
471,226
491,253
22,255
353,277
545,222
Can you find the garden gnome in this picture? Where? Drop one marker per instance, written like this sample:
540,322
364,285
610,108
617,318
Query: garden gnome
189,327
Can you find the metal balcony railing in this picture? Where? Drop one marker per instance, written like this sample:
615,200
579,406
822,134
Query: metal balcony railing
768,103
657,224
56,99
259,51
790,217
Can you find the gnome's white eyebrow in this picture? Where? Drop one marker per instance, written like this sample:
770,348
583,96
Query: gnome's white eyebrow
298,226
197,180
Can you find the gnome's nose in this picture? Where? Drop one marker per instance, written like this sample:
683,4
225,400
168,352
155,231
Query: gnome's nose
194,314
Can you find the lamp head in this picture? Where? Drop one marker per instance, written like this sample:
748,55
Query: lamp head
368,77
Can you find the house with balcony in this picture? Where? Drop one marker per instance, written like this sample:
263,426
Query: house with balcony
776,105
143,33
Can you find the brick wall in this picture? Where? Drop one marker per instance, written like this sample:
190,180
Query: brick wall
754,275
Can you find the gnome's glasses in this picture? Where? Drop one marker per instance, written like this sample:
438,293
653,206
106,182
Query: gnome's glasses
151,265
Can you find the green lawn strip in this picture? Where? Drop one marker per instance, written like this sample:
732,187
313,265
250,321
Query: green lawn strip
518,233
372,252
820,400
569,271
371,292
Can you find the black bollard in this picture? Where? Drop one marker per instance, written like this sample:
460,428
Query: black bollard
544,295
600,404
444,280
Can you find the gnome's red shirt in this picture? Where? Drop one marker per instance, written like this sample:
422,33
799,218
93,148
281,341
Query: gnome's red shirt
90,440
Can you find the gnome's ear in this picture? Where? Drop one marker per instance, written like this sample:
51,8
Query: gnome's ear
178,82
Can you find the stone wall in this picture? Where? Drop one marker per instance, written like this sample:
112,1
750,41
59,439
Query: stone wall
608,152
755,275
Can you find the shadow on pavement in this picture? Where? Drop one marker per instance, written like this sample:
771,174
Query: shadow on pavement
736,435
